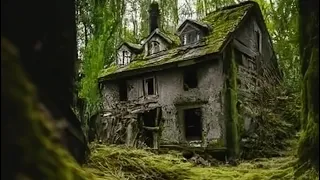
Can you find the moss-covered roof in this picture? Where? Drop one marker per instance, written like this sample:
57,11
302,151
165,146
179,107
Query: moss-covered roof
223,22
132,46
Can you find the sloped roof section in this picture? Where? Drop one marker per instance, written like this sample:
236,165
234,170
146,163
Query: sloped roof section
171,39
223,22
201,25
134,47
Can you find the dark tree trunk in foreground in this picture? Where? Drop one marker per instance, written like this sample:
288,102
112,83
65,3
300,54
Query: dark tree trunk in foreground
38,52
309,52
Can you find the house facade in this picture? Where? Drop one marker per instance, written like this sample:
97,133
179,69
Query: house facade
185,88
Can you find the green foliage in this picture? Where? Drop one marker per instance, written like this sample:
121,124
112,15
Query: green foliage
308,150
281,19
275,124
105,17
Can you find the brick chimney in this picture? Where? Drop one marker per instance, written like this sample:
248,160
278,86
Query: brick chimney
154,17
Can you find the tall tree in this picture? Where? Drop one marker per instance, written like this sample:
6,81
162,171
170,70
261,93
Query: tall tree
309,54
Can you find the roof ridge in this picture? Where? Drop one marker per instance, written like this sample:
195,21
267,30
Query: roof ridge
232,6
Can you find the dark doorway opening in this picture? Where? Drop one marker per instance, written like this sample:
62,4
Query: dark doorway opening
193,124
149,120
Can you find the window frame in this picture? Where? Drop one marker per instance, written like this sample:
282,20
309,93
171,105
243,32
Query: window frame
151,47
145,86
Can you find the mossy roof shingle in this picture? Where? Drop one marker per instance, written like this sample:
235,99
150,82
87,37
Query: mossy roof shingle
223,23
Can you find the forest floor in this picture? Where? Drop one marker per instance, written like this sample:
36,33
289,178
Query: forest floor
114,162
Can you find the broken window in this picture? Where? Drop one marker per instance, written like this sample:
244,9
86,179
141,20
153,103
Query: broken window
190,79
123,91
149,86
193,124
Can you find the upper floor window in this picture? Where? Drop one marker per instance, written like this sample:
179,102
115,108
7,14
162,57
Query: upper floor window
190,37
190,79
154,47
126,57
149,86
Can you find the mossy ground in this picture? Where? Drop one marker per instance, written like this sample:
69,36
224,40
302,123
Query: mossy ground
114,162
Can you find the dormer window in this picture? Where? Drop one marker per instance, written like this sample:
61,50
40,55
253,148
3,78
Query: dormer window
191,31
126,57
154,47
190,37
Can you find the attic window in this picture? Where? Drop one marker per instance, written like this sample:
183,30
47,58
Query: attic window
154,47
126,57
190,37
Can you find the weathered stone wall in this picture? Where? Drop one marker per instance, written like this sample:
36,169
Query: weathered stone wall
254,65
173,99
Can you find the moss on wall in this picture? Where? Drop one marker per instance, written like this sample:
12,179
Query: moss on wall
231,99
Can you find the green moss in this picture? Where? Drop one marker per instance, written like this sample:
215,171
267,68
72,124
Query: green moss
223,22
115,162
309,141
231,106
136,64
218,143
111,69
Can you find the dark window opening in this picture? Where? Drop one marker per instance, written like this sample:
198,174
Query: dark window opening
123,91
258,40
191,37
150,86
238,56
190,79
154,47
193,124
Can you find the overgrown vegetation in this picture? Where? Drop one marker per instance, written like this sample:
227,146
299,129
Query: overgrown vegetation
275,126
112,162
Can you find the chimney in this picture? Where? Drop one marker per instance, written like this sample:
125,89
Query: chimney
154,16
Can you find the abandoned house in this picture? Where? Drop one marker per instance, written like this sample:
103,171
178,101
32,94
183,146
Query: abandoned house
185,88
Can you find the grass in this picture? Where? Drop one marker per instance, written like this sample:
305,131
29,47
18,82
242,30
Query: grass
115,162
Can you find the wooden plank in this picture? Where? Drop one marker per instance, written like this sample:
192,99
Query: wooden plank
151,128
244,49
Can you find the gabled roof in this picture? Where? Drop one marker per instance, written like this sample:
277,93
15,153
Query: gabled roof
137,48
165,36
201,25
224,21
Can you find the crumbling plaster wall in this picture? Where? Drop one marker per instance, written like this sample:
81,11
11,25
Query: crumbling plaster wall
172,98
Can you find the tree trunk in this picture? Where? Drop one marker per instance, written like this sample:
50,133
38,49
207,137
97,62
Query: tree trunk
309,53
